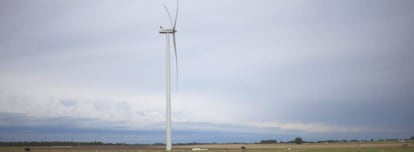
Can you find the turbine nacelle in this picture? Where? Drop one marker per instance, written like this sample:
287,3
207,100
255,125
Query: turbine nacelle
166,30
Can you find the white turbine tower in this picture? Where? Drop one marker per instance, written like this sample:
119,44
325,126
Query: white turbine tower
168,32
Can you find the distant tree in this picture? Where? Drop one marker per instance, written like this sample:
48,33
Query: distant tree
158,144
270,141
412,138
298,140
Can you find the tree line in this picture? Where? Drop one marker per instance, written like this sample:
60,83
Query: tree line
296,140
299,140
49,143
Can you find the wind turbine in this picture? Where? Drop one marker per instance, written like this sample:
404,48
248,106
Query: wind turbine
168,32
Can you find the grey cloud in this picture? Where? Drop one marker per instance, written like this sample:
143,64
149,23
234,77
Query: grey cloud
291,61
68,103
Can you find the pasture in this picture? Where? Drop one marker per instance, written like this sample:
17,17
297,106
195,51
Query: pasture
311,147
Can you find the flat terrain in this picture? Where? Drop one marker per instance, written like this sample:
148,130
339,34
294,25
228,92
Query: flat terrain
331,147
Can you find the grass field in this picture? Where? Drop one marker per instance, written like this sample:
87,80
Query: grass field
332,147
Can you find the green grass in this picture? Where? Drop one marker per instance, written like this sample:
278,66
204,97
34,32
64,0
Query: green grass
217,150
11,149
362,150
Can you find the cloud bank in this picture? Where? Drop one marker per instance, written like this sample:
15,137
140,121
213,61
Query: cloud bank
318,69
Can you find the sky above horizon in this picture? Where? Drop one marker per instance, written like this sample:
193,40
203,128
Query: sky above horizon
262,69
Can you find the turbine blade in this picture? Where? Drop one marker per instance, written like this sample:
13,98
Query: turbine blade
176,57
176,16
169,15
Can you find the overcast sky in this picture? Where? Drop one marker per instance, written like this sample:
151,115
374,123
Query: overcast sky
265,69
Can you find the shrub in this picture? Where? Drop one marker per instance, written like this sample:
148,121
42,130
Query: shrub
298,140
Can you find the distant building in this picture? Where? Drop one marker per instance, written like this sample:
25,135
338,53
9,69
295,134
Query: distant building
199,149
